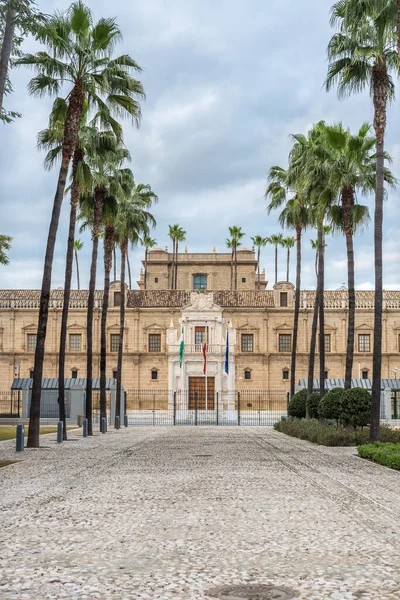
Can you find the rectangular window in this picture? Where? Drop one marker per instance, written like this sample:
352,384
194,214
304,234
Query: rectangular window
247,342
115,374
117,298
154,342
285,342
247,374
74,374
285,374
365,374
31,373
364,344
243,279
200,282
154,374
155,279
199,335
114,342
327,342
283,298
31,342
75,342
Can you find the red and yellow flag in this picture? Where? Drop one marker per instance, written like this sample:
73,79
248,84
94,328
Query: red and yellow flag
205,353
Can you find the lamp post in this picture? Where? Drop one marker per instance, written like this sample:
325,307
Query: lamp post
394,371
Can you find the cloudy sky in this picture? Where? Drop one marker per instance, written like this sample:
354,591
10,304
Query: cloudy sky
227,82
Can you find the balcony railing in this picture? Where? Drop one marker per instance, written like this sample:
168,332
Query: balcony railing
198,348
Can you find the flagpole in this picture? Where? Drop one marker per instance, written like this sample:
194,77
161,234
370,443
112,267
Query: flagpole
205,372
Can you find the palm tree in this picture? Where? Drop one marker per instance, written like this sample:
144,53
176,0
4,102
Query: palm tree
129,269
5,245
288,243
79,55
259,242
352,168
78,245
180,237
133,221
276,240
361,55
172,229
147,242
314,246
236,234
295,215
110,178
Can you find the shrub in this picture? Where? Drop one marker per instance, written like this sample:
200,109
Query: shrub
330,406
382,453
356,407
313,401
297,404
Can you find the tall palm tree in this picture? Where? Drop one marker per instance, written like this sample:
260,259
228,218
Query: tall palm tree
236,234
128,264
288,243
172,233
352,168
79,56
295,215
180,237
362,55
259,242
147,242
133,222
5,245
78,245
276,240
314,246
110,178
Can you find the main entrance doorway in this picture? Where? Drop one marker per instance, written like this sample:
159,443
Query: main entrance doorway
197,393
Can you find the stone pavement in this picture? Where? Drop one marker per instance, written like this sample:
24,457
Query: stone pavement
171,513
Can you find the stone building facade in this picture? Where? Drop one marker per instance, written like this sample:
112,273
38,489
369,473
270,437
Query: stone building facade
259,325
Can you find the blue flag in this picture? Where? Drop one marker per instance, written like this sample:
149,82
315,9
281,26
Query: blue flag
227,353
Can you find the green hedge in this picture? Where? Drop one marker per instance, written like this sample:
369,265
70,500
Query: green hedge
327,434
330,406
382,453
356,407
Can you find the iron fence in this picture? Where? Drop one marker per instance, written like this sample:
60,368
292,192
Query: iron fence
49,404
183,407
10,404
96,406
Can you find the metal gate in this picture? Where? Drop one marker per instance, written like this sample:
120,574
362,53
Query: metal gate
184,407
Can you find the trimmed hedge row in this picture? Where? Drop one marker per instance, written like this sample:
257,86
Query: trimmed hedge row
327,434
350,407
384,454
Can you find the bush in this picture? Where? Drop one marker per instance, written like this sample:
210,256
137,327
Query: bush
313,405
382,453
356,407
330,406
297,405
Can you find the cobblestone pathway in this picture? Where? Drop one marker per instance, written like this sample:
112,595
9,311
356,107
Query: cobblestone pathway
171,513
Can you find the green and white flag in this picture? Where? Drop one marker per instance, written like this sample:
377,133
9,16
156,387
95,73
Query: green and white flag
181,349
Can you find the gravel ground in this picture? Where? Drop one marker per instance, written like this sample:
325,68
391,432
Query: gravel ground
171,513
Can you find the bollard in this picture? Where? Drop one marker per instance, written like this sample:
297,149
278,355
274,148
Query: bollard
117,424
84,427
126,420
20,438
103,425
60,427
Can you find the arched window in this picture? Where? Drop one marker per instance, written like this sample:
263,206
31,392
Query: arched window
199,282
247,373
285,374
154,374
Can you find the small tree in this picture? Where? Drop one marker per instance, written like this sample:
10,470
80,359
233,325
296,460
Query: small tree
313,401
356,407
297,405
330,406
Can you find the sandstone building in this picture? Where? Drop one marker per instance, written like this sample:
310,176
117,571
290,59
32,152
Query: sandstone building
259,324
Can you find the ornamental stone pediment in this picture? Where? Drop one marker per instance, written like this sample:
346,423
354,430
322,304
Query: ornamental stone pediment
283,326
30,327
201,301
364,326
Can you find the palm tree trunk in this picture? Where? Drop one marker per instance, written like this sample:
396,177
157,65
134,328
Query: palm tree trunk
129,269
124,248
258,270
71,128
176,264
97,222
6,49
398,27
115,263
235,267
296,313
321,281
232,253
67,289
313,345
173,266
380,94
347,204
77,269
145,268
108,253
287,265
276,263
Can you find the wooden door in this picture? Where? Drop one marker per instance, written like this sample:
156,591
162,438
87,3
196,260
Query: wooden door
197,385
